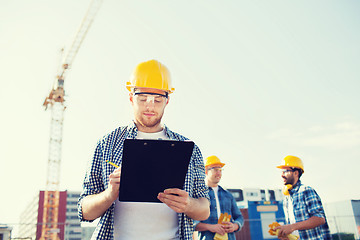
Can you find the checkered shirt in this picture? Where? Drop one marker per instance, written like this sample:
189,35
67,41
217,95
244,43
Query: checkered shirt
306,204
110,147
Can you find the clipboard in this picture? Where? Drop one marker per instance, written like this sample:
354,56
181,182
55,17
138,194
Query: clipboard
150,166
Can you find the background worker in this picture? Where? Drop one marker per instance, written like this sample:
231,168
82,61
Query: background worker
304,213
149,88
221,201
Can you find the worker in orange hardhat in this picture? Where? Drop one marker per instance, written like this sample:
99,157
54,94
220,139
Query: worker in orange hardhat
149,88
221,201
304,213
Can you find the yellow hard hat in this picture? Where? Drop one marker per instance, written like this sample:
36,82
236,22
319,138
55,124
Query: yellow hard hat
151,74
293,162
211,160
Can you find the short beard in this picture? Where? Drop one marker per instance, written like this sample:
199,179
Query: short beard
149,124
288,181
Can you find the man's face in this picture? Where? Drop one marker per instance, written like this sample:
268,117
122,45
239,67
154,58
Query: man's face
288,176
214,173
148,105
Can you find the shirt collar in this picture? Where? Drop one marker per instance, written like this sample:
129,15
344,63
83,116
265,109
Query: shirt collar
296,187
133,131
169,133
219,187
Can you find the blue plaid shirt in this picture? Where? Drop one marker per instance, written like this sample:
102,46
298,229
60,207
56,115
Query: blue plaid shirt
227,205
306,204
110,147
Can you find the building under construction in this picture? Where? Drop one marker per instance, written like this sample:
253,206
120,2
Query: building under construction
69,228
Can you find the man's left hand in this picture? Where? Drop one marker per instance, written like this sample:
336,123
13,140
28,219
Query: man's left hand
230,227
284,230
176,199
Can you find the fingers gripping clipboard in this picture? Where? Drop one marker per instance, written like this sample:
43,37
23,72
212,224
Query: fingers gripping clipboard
151,166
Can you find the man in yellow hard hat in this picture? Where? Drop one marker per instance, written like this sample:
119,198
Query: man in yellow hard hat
221,202
149,90
304,213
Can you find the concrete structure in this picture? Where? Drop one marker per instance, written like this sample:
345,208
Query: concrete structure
5,232
28,219
69,227
87,230
344,217
61,215
73,226
243,196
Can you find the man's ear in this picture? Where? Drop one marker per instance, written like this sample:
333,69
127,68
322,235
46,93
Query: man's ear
297,174
167,100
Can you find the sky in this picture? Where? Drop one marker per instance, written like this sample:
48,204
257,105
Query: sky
254,81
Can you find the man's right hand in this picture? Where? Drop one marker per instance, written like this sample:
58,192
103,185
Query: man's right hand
94,206
114,184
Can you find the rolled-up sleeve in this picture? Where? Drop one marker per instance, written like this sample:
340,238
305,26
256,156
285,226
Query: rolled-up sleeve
93,182
313,202
236,214
200,188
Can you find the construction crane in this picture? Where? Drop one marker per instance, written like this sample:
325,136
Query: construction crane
56,102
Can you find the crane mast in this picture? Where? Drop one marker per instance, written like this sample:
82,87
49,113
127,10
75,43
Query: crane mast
56,102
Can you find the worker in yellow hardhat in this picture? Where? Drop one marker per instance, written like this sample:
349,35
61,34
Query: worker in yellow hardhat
149,88
304,213
151,74
221,202
293,164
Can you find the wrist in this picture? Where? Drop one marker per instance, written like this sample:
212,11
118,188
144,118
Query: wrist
110,196
189,205
236,226
293,227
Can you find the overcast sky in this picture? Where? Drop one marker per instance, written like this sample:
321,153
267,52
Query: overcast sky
254,81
